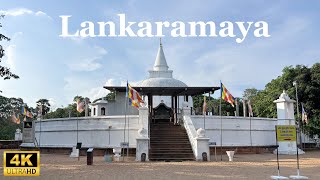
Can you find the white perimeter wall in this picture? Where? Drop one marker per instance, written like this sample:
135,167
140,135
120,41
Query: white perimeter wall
236,130
92,131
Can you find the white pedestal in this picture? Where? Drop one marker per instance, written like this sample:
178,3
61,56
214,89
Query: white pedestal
298,177
116,157
75,152
116,151
230,155
202,145
278,177
142,147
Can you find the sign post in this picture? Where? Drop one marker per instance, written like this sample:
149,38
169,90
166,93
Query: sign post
298,168
283,133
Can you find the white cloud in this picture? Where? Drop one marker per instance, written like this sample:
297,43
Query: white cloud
16,12
53,104
40,13
22,11
10,56
89,63
98,92
86,65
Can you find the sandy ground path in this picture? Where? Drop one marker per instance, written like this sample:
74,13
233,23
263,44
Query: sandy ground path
248,166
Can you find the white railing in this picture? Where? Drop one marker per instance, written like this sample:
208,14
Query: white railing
191,131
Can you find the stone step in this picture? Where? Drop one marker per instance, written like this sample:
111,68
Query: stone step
169,142
170,159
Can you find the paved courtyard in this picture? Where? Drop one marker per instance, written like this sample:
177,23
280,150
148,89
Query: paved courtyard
248,166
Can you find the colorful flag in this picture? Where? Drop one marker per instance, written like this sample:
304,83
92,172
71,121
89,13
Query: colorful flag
80,106
29,115
225,95
250,108
15,119
18,120
134,97
23,110
304,115
204,107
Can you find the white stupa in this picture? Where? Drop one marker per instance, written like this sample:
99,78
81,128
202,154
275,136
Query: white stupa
160,75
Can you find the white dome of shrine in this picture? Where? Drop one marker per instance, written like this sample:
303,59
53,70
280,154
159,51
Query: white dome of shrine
161,82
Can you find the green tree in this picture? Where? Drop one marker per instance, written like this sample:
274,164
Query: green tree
5,72
8,107
308,83
212,104
250,93
44,105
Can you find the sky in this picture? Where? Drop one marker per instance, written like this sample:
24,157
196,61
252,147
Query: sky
59,68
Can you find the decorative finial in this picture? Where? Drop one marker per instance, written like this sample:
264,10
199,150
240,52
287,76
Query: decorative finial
160,42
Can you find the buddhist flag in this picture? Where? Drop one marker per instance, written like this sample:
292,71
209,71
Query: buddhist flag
134,97
29,115
18,120
15,119
304,115
204,105
80,106
225,95
23,110
250,108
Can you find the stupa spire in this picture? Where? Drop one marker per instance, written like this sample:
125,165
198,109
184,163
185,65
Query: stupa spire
160,63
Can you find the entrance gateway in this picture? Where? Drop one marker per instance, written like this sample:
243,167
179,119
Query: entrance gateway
165,97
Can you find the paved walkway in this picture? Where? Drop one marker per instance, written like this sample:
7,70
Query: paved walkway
251,166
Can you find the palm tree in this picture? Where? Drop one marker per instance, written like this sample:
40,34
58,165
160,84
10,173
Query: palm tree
44,105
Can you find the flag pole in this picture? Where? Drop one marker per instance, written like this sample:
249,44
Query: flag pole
220,120
128,136
125,119
78,134
40,135
250,131
204,114
125,124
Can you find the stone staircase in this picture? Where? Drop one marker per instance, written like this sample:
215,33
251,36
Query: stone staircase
169,142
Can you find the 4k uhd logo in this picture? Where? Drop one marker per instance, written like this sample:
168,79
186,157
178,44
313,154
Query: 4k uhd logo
21,163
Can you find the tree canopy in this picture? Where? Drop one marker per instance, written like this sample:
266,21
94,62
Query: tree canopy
308,91
5,72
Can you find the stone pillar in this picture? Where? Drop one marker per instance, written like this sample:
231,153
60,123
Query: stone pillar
285,113
144,117
142,145
202,145
186,110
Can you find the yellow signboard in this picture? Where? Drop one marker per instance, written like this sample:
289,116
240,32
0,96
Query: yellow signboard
286,133
21,163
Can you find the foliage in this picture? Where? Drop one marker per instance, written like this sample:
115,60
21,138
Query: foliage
249,93
109,97
44,105
8,107
213,105
308,83
5,72
71,110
